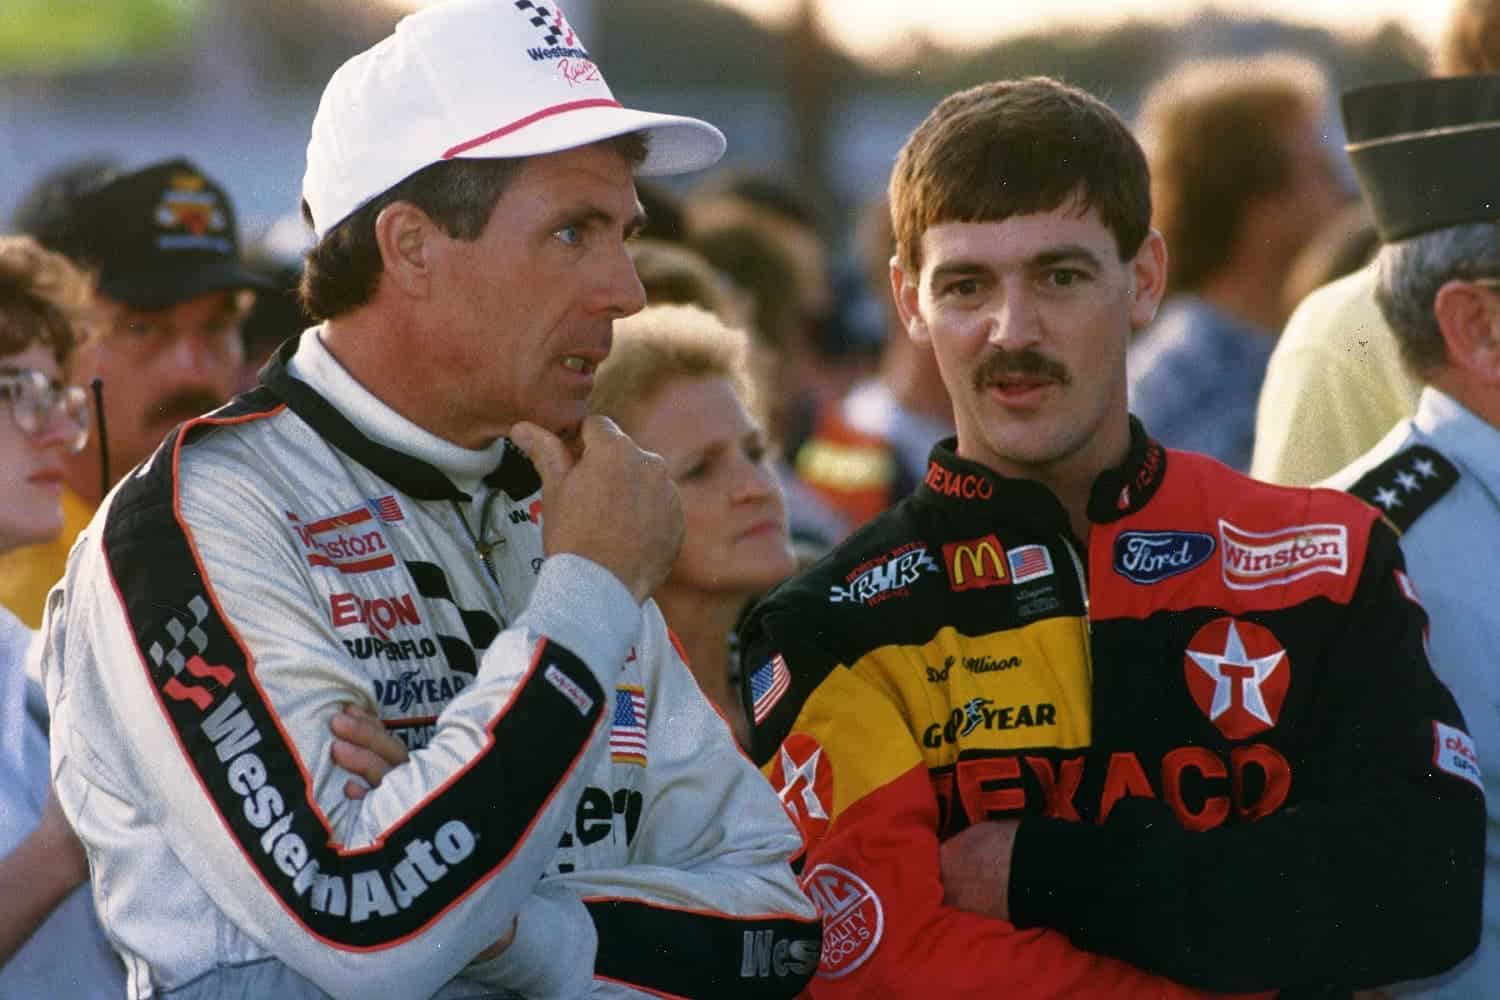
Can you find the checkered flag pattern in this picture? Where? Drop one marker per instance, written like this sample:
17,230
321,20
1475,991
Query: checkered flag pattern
183,636
543,19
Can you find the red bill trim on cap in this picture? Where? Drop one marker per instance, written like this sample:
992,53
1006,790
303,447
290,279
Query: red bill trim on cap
520,123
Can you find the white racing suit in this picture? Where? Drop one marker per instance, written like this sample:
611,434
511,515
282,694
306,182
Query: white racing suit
275,560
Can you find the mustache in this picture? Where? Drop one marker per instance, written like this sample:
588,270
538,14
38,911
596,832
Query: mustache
185,405
997,364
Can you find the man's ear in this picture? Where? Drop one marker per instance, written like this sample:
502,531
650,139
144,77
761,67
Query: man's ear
906,293
406,237
1469,318
1148,277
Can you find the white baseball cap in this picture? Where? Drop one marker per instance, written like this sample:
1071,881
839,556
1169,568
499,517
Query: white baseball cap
476,79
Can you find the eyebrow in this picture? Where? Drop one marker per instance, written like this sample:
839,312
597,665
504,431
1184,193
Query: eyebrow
1050,257
591,216
1065,254
959,268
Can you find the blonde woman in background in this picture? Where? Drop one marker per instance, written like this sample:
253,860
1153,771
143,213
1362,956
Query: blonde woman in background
677,381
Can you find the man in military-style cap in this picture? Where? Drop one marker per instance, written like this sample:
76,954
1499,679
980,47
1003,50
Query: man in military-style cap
1425,151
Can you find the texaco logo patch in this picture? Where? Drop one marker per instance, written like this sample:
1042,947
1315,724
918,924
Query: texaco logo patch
1238,674
803,780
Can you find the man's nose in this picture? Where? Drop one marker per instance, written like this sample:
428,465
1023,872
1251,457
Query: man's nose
1013,321
620,290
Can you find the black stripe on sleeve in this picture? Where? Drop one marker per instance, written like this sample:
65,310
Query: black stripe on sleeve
374,898
692,954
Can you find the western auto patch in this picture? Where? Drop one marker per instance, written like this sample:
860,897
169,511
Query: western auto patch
803,779
853,918
1453,752
1238,674
1251,560
554,35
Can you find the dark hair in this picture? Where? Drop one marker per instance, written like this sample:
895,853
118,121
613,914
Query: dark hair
755,263
665,219
1016,147
342,271
48,211
769,194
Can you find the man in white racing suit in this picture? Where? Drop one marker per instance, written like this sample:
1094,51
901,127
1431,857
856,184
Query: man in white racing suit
365,527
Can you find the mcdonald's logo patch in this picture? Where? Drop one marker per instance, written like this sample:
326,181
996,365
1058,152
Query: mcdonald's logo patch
976,564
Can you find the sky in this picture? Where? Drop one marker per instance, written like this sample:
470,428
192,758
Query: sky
870,27
874,28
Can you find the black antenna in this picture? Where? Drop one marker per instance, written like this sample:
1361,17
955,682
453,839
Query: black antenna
97,386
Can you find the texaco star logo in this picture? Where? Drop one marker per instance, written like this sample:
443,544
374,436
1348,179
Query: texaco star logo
1238,674
803,780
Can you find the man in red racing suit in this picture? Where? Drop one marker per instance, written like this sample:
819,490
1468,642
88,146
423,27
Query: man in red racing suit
1083,716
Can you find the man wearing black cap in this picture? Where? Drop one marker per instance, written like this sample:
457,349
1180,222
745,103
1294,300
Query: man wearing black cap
164,249
1425,151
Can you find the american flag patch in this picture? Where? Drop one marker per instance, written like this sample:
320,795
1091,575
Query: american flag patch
1029,562
387,508
767,685
627,736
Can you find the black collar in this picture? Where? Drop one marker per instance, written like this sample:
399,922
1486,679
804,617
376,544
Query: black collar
962,484
412,476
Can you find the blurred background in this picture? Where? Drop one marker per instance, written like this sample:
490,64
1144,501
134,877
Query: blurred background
816,92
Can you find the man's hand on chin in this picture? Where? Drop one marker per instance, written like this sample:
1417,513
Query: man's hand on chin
975,868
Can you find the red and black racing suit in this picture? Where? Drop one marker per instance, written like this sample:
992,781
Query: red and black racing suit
1233,767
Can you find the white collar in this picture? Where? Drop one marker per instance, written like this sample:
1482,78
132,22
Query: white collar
314,364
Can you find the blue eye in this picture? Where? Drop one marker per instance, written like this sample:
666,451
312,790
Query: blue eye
570,235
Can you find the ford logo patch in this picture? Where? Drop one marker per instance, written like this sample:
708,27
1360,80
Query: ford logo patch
1153,556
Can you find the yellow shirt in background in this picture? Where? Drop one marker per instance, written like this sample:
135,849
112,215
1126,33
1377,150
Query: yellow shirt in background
26,575
1335,385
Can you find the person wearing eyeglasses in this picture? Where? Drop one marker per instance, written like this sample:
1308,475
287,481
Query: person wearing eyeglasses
50,940
170,292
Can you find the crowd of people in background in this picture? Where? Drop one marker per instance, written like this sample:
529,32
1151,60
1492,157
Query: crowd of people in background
785,430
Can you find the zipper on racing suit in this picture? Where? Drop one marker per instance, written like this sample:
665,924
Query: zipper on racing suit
1083,580
484,547
1083,590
